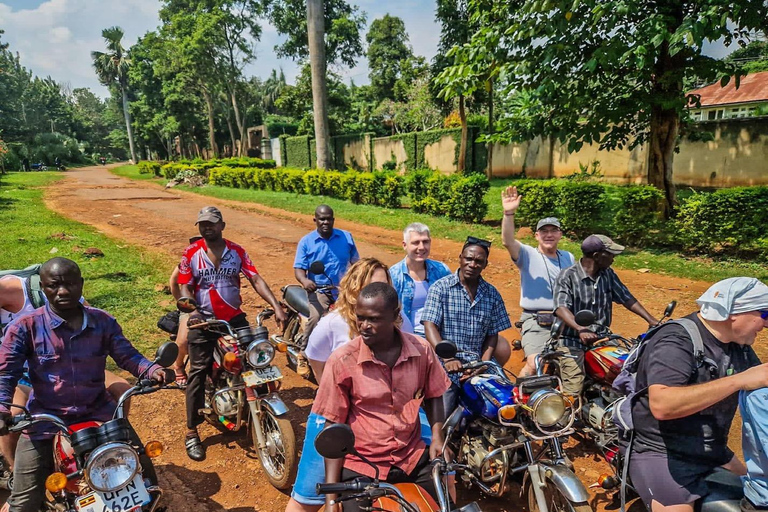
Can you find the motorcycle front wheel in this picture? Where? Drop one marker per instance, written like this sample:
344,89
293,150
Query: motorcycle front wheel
556,502
278,457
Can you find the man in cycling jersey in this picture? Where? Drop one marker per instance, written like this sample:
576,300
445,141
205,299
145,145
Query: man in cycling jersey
210,272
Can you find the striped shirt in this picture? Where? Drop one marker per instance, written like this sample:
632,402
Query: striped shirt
576,291
463,321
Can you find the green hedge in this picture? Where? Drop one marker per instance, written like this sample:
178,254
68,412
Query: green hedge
146,167
200,166
578,204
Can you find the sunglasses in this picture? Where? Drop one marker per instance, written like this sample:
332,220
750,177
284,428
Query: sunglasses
763,313
485,244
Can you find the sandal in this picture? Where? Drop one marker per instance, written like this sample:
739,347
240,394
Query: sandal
181,378
195,448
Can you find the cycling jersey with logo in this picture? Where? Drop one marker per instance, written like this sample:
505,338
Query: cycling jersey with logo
216,289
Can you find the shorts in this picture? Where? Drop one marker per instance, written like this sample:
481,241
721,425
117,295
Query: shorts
24,380
572,370
672,481
311,469
535,337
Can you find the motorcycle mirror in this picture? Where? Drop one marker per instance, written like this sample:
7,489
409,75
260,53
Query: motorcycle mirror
557,326
166,354
335,441
186,305
446,349
585,317
170,376
317,267
453,420
670,308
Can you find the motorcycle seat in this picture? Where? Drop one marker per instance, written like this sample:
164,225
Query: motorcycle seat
296,297
532,383
725,493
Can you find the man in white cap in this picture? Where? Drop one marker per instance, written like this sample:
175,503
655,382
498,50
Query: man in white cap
593,285
681,423
539,267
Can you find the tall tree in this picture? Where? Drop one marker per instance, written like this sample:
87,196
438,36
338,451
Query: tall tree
388,50
316,39
614,69
112,69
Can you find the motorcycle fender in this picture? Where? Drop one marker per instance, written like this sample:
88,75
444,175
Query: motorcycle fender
275,404
566,482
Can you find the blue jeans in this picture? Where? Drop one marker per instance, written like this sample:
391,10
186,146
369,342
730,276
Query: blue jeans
311,469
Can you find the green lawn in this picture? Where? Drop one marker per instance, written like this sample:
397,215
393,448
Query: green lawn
123,282
661,262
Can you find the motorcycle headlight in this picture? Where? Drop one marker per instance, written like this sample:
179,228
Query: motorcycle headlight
260,353
111,467
548,407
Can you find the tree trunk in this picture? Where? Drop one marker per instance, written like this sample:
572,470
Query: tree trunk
665,126
127,115
211,127
464,135
240,125
316,36
491,129
232,136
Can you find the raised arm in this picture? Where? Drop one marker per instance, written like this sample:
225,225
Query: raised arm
510,201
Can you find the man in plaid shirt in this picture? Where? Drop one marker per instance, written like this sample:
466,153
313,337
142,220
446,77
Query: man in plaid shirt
464,309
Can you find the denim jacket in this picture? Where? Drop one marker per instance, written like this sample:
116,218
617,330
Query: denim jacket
404,285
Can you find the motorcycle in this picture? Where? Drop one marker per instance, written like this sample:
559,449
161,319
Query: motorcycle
603,360
242,391
494,428
296,305
101,466
338,440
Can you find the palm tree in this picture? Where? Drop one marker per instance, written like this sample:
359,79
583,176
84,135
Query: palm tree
112,68
316,37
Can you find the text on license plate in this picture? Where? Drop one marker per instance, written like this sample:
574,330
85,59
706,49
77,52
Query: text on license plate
262,375
130,497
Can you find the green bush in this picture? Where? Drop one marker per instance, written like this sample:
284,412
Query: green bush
146,167
579,206
638,220
416,183
539,201
467,201
728,221
390,187
315,183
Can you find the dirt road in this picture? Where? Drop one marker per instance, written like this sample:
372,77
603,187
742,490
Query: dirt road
230,478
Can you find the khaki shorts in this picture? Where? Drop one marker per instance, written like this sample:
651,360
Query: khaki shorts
534,336
572,370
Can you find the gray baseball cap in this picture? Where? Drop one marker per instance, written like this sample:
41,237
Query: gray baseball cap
548,221
209,214
597,243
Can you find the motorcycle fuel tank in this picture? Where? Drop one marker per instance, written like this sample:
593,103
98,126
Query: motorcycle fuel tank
603,364
486,394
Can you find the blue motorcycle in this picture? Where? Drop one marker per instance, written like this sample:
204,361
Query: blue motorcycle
508,432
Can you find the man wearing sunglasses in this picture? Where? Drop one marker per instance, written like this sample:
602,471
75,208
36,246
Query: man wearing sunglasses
681,423
539,267
466,310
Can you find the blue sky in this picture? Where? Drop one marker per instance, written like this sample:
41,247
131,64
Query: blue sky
55,37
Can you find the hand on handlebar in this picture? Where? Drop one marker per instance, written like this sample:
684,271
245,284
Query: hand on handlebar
280,317
309,285
588,337
453,365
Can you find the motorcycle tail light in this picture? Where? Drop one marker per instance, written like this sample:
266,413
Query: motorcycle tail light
153,449
56,482
232,363
281,346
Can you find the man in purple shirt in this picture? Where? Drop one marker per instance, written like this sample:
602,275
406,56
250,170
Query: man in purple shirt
66,346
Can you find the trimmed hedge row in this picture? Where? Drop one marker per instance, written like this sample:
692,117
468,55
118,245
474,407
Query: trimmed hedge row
170,170
578,204
458,197
147,167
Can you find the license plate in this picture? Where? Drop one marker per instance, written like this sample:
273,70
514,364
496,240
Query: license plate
262,376
130,497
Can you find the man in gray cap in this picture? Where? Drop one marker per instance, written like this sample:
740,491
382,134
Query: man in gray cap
539,267
590,284
681,423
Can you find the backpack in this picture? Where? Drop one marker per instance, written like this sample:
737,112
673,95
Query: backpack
626,383
34,289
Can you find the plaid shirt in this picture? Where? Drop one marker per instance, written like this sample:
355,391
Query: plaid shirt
576,291
463,321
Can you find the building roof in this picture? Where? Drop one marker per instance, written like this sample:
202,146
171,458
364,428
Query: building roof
753,87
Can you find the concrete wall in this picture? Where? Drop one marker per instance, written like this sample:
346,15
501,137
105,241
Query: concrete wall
385,147
441,155
357,153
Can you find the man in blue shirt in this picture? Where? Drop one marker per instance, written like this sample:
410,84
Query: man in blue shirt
413,276
336,249
464,309
754,443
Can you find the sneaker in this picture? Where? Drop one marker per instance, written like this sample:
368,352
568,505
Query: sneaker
302,365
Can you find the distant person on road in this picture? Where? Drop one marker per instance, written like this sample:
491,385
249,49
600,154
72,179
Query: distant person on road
336,249
413,276
539,268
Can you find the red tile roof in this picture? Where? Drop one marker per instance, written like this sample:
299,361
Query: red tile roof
753,87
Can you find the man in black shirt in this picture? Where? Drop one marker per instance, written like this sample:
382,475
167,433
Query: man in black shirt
682,422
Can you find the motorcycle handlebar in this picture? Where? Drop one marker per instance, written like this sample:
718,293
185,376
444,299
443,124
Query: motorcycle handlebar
340,487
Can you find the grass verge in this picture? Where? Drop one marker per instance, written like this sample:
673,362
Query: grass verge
652,261
124,282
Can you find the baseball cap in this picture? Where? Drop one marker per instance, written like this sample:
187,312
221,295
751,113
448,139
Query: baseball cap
597,243
548,221
209,214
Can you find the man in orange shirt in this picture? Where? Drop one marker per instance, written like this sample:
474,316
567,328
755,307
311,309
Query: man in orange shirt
380,379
